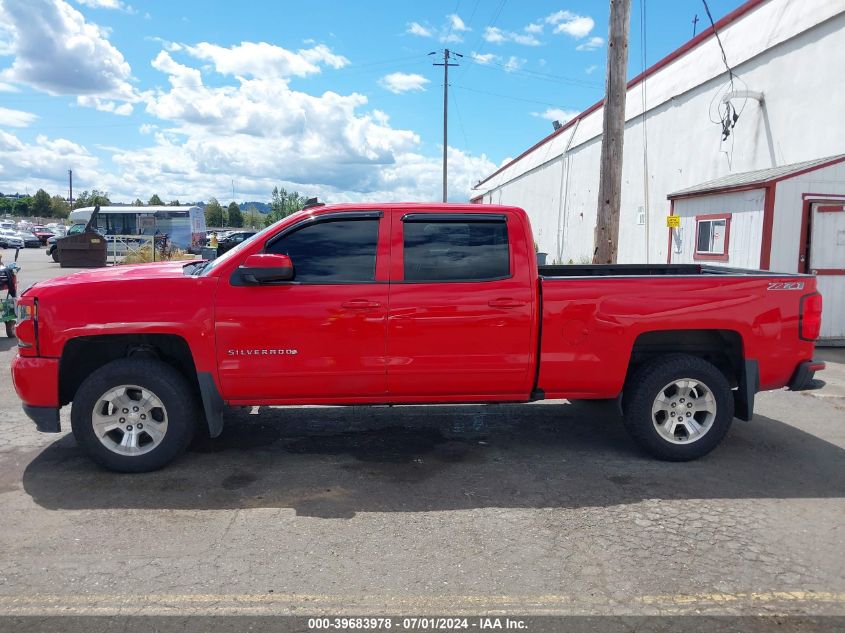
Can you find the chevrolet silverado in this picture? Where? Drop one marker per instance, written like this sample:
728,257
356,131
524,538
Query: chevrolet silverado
411,304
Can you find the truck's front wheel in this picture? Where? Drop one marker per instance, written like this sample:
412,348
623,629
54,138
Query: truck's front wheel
134,415
678,407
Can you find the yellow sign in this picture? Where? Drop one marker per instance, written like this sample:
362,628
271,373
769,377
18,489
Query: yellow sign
673,221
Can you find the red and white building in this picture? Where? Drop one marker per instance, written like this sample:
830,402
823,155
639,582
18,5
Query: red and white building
788,65
789,218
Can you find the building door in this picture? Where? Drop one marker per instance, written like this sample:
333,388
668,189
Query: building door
827,262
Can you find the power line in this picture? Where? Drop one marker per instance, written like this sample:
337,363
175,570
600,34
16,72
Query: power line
719,40
535,74
460,120
452,21
496,94
491,23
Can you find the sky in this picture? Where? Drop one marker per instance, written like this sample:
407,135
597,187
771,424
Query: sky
338,99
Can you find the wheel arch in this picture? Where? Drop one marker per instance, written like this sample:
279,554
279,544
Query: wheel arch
723,348
85,354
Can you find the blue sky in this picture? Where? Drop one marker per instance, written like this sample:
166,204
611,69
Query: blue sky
337,99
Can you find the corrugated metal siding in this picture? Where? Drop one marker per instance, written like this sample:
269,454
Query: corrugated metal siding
746,208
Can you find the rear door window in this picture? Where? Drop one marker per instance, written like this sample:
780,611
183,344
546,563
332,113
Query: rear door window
460,250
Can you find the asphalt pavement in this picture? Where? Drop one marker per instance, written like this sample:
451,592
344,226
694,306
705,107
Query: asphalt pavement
543,509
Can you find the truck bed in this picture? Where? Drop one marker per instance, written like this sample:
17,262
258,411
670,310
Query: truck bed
647,270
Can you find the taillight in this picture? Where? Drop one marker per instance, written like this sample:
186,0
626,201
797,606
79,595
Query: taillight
26,328
810,317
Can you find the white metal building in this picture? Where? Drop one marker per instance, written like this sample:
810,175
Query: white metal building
788,61
789,218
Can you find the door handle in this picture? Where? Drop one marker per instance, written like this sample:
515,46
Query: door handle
505,302
360,304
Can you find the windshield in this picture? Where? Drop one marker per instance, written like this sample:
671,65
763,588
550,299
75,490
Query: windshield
261,235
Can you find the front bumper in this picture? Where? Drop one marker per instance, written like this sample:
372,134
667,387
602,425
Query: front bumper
803,378
36,381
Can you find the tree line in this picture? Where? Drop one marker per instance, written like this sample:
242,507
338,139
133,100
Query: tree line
282,204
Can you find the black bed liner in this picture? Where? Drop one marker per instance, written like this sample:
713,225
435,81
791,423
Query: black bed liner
648,270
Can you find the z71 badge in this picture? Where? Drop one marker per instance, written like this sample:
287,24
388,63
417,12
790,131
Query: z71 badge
786,285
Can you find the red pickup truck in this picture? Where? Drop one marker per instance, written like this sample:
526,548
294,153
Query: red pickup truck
404,303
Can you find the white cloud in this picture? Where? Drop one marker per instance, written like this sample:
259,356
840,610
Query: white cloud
556,114
415,28
591,69
58,52
457,23
260,59
398,83
451,31
107,4
495,35
514,63
326,145
16,118
43,163
591,44
105,105
578,26
4,87
534,27
483,59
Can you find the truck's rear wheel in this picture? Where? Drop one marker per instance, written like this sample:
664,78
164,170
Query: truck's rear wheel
678,407
134,415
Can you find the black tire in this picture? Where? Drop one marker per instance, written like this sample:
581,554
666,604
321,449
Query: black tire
10,329
642,390
168,385
55,255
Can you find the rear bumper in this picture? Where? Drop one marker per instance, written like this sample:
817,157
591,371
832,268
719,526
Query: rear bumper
36,382
803,378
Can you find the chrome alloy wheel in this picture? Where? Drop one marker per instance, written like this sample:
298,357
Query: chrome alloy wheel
683,411
129,420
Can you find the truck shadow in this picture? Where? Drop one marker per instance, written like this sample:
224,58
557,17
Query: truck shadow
334,462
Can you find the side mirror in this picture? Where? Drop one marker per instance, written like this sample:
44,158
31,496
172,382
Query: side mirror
263,268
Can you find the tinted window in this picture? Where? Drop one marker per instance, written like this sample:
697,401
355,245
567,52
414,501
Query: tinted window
332,251
456,251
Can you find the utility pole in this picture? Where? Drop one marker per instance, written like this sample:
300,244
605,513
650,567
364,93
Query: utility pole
447,55
70,188
613,135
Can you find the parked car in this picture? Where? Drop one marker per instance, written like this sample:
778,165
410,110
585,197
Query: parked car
10,239
232,239
42,233
406,304
29,239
